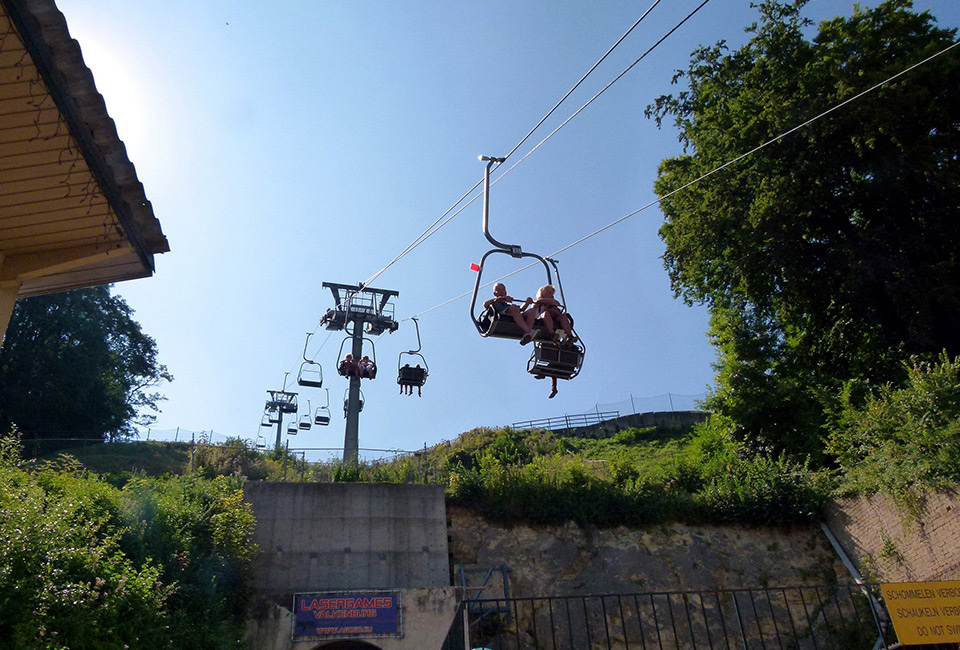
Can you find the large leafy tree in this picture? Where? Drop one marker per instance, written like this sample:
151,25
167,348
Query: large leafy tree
76,365
831,254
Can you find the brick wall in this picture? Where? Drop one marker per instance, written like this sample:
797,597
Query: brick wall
888,545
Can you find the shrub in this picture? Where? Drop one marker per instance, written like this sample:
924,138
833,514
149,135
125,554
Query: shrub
85,564
895,439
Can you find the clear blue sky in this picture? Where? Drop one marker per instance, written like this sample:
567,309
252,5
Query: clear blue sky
287,144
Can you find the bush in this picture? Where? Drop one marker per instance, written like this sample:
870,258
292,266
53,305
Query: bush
85,564
895,439
732,482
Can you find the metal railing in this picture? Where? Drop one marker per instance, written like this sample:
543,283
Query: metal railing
838,617
568,421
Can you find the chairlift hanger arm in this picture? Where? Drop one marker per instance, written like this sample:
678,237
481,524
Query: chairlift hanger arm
305,343
419,344
512,249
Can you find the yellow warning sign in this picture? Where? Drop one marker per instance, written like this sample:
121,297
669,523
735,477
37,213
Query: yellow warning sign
924,612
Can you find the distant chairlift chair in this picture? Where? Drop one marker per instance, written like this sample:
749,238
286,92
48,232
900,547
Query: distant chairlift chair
311,373
322,416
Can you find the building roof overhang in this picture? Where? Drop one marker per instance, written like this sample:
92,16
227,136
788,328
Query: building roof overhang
72,211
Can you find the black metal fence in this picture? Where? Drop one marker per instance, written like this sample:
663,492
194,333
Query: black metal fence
839,617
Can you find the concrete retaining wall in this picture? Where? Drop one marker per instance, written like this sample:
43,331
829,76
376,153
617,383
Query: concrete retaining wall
888,545
328,536
320,537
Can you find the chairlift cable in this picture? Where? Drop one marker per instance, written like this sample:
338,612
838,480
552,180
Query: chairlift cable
583,78
713,171
426,234
604,89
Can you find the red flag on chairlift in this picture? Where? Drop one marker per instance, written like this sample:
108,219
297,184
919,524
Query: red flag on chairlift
474,267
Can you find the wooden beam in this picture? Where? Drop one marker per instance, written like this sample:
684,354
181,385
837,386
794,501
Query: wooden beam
26,266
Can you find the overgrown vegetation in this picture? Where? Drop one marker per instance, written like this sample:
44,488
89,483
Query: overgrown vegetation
900,439
137,563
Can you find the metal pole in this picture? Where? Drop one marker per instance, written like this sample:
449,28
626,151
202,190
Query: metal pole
279,424
351,438
670,397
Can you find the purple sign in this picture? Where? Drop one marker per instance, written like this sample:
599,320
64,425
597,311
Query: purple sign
347,614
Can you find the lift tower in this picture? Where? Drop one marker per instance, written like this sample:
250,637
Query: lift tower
358,310
281,402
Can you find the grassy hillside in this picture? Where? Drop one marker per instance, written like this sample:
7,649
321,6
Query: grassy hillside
150,458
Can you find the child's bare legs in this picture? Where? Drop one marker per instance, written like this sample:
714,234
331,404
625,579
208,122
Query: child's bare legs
548,322
567,327
518,317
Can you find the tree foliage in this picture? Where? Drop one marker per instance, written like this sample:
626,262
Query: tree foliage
76,365
832,253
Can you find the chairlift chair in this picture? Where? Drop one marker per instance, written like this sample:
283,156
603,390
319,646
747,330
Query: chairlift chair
491,323
270,416
261,442
292,428
305,422
552,359
322,416
342,369
346,401
311,374
416,375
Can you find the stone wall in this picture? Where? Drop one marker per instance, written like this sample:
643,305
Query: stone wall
888,545
679,420
568,560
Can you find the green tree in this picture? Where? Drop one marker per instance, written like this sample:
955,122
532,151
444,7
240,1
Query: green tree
831,254
76,365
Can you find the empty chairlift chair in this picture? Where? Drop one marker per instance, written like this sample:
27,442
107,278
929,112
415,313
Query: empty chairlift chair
305,422
346,402
322,415
311,374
